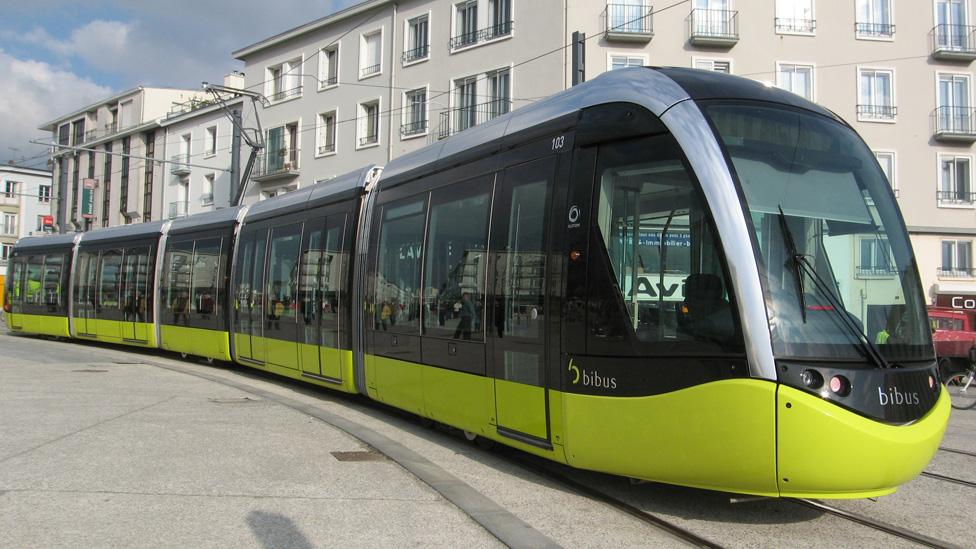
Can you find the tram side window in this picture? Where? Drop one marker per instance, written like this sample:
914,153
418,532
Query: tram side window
16,283
456,256
207,273
397,303
331,275
108,288
84,291
176,281
34,294
283,276
136,298
661,277
53,264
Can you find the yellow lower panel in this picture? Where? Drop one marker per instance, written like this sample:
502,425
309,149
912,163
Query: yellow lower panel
398,383
347,386
458,399
282,353
195,341
827,451
719,436
521,407
116,331
39,324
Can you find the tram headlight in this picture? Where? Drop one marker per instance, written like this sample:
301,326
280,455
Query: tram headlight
840,386
811,379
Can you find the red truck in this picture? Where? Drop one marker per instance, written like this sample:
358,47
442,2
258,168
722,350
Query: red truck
954,335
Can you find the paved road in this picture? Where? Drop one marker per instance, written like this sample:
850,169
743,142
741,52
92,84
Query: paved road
103,447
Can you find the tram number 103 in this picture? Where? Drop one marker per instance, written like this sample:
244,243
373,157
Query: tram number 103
558,142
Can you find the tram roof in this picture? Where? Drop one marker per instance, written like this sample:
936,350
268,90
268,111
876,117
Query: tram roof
65,240
124,232
654,88
337,189
217,219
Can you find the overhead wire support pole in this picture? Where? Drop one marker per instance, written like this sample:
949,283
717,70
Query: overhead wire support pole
256,142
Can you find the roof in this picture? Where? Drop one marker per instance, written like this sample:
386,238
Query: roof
656,89
217,219
345,186
311,26
53,124
23,170
124,232
169,120
35,242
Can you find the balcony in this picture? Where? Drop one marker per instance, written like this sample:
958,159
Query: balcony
471,38
369,139
415,54
413,128
883,31
206,199
875,271
962,197
9,199
957,272
282,95
369,71
328,148
954,124
876,112
461,118
179,164
281,164
330,81
177,209
713,27
953,42
628,23
797,26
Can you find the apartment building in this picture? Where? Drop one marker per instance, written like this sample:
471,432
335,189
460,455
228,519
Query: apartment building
382,78
199,148
103,155
25,208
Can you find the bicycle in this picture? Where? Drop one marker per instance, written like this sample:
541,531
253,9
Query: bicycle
962,385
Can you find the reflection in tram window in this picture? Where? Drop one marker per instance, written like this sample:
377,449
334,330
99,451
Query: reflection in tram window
455,261
397,304
35,269
282,276
320,282
108,290
52,281
135,290
663,254
205,278
176,282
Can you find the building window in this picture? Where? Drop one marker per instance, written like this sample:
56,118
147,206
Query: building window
876,95
283,81
124,180
887,162
44,194
78,132
64,135
10,189
953,114
717,65
465,24
10,224
874,19
206,198
952,32
326,133
624,61
76,185
499,92
501,18
369,123
957,259
106,184
211,144
414,113
329,66
465,103
954,181
147,182
370,54
875,258
795,17
124,119
40,224
418,40
5,251
795,78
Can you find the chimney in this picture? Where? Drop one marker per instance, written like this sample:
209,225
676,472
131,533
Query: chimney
235,79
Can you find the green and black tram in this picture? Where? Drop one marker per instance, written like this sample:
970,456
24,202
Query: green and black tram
654,274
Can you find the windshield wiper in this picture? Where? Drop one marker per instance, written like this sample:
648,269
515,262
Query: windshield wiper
797,270
802,265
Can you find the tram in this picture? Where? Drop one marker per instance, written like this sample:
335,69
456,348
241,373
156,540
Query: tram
652,274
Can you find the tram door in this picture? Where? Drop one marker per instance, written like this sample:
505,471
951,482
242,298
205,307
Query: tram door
319,288
135,294
248,329
84,294
517,315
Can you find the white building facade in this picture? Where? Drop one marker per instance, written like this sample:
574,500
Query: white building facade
25,207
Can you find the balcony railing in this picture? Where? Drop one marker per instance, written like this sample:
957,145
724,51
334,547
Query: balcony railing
206,199
954,124
805,26
281,95
327,148
370,70
875,271
481,35
413,128
330,81
954,42
369,139
461,118
177,209
874,30
415,54
963,197
877,112
628,23
275,164
713,27
179,164
957,272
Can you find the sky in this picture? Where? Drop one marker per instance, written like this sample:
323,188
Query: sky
57,56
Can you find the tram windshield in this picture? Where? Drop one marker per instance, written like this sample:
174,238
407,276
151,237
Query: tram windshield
837,262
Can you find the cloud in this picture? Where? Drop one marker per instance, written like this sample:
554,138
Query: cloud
35,92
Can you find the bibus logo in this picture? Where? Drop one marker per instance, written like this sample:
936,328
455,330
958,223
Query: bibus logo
591,378
893,396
